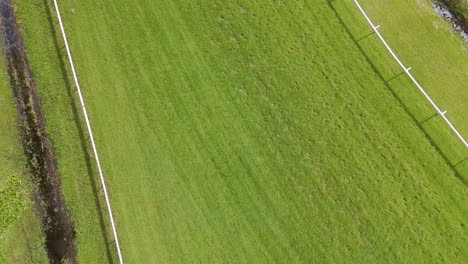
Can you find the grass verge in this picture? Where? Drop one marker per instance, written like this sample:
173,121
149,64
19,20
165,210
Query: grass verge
417,33
460,9
21,237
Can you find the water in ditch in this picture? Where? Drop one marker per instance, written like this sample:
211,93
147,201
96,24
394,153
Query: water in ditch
48,199
444,12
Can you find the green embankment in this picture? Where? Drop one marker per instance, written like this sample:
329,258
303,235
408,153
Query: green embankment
257,131
66,131
21,239
460,9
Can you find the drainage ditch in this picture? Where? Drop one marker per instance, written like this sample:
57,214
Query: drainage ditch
41,162
459,22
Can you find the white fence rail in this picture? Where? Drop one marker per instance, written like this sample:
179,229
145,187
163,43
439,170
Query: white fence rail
85,114
407,71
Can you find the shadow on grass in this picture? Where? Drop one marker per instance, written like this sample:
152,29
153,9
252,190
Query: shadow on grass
400,101
429,118
460,162
78,125
394,77
368,35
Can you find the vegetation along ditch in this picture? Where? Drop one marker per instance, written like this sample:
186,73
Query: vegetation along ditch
41,162
457,12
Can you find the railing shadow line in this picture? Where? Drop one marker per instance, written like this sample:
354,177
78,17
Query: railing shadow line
395,95
78,125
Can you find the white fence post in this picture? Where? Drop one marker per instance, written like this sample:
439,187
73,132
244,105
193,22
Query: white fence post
85,114
407,71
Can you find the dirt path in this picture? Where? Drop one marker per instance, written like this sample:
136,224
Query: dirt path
49,200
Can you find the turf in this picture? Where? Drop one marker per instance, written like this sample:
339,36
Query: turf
65,131
247,131
417,34
21,239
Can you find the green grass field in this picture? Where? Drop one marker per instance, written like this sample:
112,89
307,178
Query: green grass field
21,239
257,131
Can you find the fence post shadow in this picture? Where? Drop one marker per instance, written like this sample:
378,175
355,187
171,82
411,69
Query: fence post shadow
395,95
394,77
368,35
460,162
78,125
429,118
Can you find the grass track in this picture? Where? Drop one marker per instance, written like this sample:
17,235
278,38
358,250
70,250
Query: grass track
246,132
417,34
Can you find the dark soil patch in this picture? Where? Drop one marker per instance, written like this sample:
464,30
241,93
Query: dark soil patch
49,200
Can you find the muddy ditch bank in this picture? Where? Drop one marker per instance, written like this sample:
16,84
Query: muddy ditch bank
41,162
459,21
